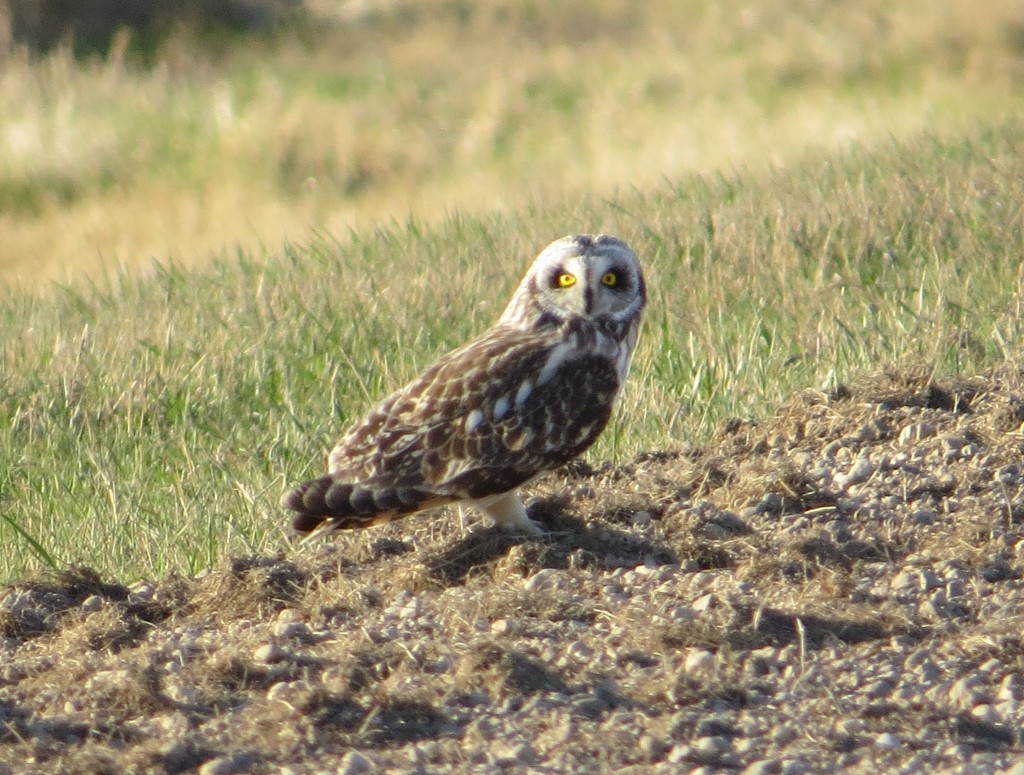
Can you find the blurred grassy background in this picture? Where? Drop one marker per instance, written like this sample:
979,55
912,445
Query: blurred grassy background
323,204
134,132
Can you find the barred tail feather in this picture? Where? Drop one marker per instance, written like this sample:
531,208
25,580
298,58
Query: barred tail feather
326,504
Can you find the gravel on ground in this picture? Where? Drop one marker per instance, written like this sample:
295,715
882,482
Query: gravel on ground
838,587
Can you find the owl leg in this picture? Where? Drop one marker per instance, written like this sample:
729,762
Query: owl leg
509,512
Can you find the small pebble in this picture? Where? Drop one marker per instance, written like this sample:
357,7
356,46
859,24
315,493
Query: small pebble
141,593
710,749
544,580
226,765
887,740
355,763
783,736
967,692
589,707
851,726
652,748
682,614
1008,474
1011,687
763,767
269,654
860,471
705,603
924,517
916,432
699,662
289,615
520,754
278,691
679,753
292,630
503,627
986,713
640,518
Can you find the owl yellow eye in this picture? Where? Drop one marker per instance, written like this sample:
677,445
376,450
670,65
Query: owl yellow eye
609,279
566,280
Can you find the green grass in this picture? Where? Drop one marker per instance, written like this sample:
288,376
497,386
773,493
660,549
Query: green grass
816,189
150,424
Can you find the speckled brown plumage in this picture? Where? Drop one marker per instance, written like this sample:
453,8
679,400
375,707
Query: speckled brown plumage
527,396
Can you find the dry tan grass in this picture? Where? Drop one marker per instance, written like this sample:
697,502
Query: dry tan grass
429,108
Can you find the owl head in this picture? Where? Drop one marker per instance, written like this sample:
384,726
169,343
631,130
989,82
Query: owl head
579,277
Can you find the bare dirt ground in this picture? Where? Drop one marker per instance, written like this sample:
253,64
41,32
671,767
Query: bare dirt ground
837,588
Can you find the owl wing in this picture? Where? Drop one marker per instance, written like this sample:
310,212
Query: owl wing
481,421
510,402
513,435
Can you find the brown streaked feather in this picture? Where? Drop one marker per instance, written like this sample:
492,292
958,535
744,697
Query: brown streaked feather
413,450
558,421
421,415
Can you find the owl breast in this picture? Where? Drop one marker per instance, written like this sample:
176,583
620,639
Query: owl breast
612,340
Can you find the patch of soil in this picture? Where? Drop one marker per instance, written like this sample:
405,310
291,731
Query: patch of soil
840,585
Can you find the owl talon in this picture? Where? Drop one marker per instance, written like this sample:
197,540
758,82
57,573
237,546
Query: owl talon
508,512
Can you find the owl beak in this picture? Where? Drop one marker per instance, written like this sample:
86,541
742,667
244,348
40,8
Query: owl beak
588,300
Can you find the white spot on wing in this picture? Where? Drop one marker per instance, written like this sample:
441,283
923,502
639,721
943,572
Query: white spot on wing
524,392
501,407
473,420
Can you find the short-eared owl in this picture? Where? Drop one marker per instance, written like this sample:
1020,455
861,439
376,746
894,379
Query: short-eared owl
531,393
